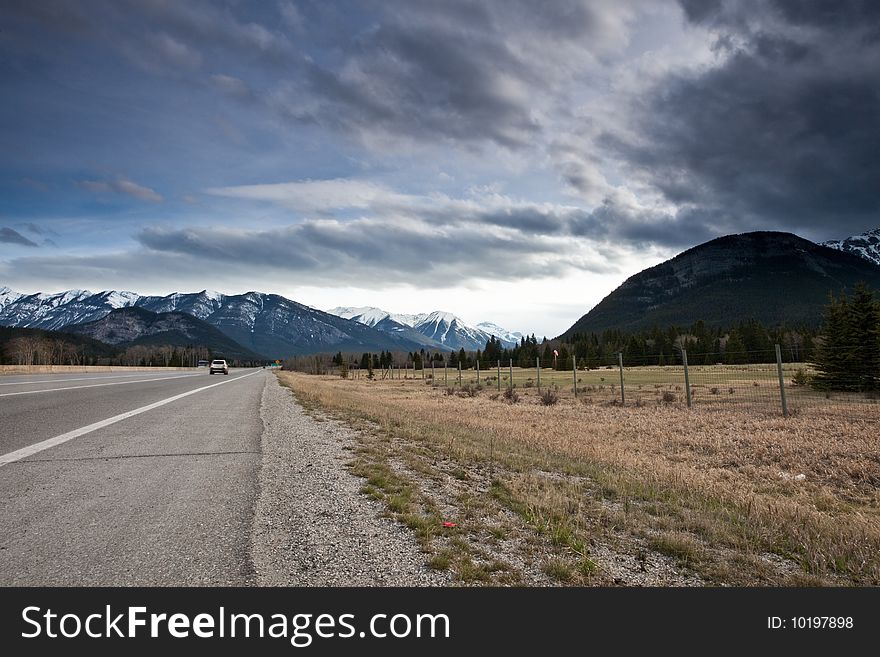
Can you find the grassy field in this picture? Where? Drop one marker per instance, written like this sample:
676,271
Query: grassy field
586,492
756,386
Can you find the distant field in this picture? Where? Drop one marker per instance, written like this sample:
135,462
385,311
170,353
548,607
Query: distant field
588,492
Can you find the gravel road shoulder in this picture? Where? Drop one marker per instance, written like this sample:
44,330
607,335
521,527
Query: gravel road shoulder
312,526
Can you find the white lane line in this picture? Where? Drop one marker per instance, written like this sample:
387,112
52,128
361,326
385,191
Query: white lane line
24,452
83,378
94,385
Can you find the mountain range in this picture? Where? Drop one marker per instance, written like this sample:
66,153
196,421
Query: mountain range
259,324
775,278
438,329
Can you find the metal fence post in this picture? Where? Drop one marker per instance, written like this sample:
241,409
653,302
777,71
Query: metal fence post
538,367
574,374
445,372
620,365
687,381
781,381
459,374
511,374
478,371
499,376
433,377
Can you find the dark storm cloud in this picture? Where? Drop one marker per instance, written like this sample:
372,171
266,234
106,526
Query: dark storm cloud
468,72
12,236
335,251
157,36
783,134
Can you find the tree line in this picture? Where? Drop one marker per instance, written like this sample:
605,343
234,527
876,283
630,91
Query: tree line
848,357
844,350
20,346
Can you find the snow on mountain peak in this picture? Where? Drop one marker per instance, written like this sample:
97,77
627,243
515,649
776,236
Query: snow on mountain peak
441,326
865,245
438,316
121,299
8,296
501,333
364,314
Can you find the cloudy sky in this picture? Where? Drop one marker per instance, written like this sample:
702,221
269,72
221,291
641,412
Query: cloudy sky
506,160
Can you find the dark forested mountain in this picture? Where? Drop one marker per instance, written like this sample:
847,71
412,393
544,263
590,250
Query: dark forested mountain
775,278
138,326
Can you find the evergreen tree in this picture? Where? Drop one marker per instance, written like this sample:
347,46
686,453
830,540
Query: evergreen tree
563,363
734,349
832,360
864,320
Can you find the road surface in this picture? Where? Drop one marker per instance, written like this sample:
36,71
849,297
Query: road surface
146,478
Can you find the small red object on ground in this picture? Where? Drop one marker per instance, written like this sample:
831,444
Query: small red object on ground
449,524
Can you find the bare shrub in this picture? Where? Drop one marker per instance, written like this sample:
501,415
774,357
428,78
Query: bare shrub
715,390
468,391
801,377
549,396
450,392
511,395
668,397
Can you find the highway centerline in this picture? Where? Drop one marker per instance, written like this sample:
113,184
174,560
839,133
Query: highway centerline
24,452
96,385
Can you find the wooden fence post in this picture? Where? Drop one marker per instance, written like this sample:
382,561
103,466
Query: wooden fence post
781,381
687,380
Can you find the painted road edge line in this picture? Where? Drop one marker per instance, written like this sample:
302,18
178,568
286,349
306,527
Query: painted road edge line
30,450
95,385
83,378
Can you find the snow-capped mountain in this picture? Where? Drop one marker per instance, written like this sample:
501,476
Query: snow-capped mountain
55,311
198,304
443,329
7,296
372,316
267,324
866,245
506,337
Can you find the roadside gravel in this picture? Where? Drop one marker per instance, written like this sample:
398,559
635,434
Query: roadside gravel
312,526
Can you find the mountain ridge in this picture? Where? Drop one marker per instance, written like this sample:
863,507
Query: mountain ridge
776,278
442,329
133,325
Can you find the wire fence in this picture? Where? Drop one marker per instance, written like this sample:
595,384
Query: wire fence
758,381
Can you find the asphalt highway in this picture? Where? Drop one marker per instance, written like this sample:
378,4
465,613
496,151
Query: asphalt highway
147,478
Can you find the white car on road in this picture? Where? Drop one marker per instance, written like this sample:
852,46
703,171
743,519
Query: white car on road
219,366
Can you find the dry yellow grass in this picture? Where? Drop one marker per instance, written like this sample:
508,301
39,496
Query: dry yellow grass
719,489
